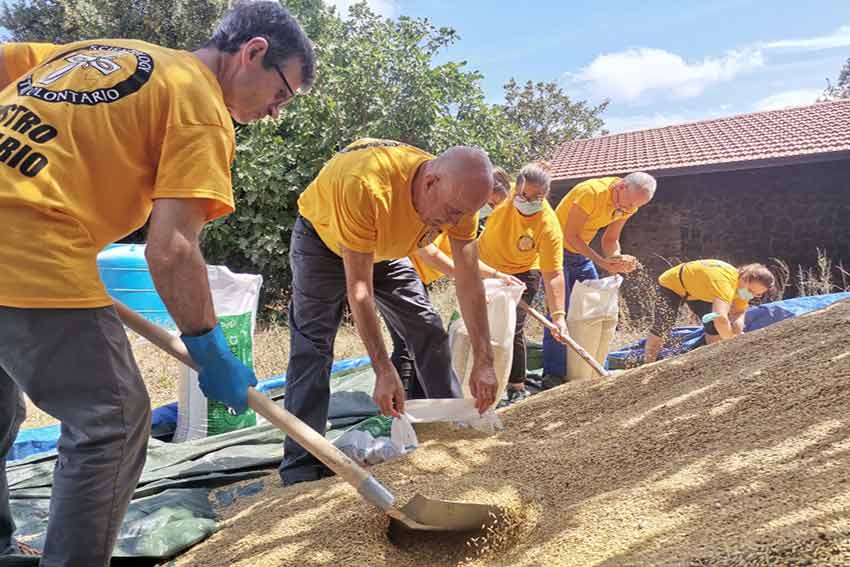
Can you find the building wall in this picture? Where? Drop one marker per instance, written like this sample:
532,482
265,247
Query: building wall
744,216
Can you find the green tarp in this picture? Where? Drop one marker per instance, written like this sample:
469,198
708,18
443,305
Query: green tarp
171,508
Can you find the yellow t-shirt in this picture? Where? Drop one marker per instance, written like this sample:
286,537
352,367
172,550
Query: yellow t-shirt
594,198
362,200
705,280
513,243
426,272
90,134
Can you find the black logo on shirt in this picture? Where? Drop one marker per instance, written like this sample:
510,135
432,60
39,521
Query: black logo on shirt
104,61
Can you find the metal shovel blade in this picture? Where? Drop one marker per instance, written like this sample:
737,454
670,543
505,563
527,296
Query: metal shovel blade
423,513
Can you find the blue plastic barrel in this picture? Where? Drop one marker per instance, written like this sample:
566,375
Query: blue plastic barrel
125,274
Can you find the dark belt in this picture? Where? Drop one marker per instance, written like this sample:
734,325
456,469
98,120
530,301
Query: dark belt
682,281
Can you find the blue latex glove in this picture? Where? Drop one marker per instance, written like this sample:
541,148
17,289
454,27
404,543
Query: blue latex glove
223,377
708,318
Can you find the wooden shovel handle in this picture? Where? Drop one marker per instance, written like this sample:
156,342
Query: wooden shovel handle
305,435
568,339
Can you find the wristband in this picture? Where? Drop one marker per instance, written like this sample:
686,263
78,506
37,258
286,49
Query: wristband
558,312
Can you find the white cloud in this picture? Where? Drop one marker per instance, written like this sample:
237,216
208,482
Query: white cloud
629,123
838,38
634,74
387,8
784,99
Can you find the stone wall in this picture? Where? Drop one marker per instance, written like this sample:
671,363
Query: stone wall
744,216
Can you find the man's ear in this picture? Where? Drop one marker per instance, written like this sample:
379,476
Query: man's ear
254,50
431,180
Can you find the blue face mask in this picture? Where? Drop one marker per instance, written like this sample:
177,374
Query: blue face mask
745,294
528,208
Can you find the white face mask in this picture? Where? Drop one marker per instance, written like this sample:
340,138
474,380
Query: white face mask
528,208
745,294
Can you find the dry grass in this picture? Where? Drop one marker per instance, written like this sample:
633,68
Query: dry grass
161,373
825,277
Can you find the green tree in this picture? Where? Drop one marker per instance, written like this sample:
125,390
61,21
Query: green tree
182,24
549,117
35,20
841,88
375,78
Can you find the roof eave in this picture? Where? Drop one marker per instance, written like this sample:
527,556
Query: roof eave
721,167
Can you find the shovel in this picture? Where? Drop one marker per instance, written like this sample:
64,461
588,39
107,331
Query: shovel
421,513
567,339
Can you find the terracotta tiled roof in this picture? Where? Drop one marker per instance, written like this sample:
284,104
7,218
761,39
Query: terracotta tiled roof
811,130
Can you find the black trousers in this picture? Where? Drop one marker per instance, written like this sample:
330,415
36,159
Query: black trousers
315,313
531,279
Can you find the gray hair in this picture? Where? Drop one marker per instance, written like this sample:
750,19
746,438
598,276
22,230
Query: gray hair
640,181
269,20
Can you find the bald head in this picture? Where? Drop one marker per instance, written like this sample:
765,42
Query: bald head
454,185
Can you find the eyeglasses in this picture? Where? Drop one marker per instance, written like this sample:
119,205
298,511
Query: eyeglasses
285,82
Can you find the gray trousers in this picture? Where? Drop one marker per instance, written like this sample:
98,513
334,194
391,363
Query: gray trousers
77,366
315,313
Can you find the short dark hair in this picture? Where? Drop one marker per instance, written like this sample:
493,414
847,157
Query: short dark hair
270,20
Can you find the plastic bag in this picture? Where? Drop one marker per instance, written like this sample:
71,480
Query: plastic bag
235,298
595,299
370,442
458,410
377,439
502,300
592,321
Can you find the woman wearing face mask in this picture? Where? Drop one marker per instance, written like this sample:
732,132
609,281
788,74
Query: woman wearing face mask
433,262
523,238
715,291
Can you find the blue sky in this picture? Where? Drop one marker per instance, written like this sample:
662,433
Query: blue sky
659,62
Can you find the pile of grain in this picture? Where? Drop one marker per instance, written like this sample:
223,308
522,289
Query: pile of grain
736,454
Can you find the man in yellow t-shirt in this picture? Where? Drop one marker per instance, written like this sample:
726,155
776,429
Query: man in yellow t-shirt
370,207
96,136
606,202
715,291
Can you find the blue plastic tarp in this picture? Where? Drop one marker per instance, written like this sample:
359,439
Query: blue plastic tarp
42,439
34,441
684,339
763,315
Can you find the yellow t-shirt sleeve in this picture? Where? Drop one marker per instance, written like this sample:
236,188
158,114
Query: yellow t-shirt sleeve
466,229
19,58
551,246
426,272
354,214
586,199
722,289
195,163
